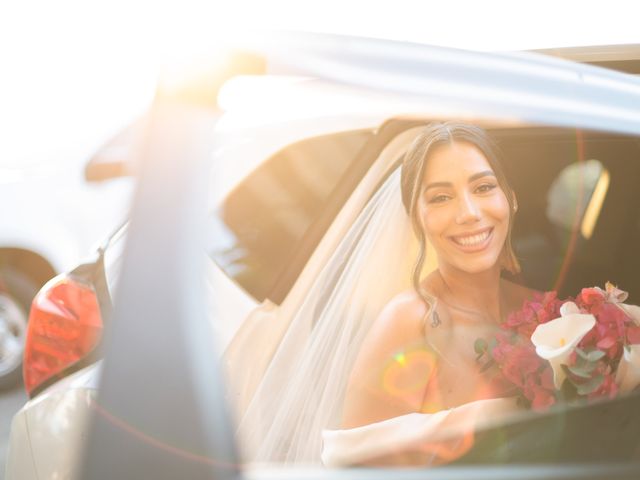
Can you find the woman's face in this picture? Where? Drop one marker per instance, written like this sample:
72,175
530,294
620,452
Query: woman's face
464,211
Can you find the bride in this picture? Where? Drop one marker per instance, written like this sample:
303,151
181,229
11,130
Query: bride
378,364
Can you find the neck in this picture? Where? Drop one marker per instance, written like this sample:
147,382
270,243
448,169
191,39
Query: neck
476,292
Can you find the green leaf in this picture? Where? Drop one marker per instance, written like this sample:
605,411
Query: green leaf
591,355
580,372
591,386
595,355
480,346
582,354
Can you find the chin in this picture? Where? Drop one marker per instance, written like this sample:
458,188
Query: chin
475,266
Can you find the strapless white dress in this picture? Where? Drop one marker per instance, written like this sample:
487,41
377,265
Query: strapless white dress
414,432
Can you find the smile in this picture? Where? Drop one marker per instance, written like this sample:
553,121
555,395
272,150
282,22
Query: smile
475,241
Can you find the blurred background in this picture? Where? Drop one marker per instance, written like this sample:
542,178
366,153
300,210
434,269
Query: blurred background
78,75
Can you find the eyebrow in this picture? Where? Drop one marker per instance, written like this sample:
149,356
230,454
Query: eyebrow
475,176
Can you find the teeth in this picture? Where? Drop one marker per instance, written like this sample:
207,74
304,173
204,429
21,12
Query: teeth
472,239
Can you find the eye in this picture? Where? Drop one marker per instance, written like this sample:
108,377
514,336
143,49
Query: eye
439,198
485,187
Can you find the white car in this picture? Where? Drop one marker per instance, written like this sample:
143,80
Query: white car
55,211
309,153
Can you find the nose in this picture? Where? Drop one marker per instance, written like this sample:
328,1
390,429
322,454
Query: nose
468,211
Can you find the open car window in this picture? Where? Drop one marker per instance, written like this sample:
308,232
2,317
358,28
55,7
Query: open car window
257,231
575,227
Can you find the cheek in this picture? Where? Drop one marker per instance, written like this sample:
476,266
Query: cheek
435,222
498,208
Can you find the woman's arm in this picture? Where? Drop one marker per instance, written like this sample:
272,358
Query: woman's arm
393,367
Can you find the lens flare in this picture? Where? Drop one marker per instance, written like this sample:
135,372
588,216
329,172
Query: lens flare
408,374
158,443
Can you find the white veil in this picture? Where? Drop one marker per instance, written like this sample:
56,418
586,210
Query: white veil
302,390
290,366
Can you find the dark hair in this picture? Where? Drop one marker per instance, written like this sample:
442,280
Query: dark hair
412,175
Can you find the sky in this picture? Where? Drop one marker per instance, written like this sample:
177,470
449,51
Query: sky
75,72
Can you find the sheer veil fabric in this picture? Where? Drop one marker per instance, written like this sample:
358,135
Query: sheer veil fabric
302,390
289,365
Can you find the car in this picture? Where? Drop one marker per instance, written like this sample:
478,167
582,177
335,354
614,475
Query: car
39,240
309,152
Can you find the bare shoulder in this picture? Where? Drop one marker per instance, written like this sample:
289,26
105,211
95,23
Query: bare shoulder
408,307
402,317
397,329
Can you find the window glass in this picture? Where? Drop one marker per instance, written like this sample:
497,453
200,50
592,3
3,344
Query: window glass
575,197
574,227
258,228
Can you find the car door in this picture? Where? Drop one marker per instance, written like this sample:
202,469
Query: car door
137,430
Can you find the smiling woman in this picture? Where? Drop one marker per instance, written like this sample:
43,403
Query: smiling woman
456,194
376,349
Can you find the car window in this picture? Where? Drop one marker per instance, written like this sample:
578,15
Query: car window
257,229
574,227
570,187
575,199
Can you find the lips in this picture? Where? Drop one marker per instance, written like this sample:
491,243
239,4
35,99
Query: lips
473,241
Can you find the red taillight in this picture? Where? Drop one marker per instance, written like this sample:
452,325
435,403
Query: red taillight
64,326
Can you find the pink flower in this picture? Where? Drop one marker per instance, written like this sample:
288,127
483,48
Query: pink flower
519,364
541,397
546,335
546,379
591,299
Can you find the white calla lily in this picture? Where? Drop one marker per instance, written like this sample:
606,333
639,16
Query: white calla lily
569,308
557,339
628,374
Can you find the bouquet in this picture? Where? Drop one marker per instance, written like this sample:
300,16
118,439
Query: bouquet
576,350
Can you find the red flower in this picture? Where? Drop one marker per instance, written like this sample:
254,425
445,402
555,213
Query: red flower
541,398
606,343
519,363
591,299
502,350
546,378
522,322
543,316
532,376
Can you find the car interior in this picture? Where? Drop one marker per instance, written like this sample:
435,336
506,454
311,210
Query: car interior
575,227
